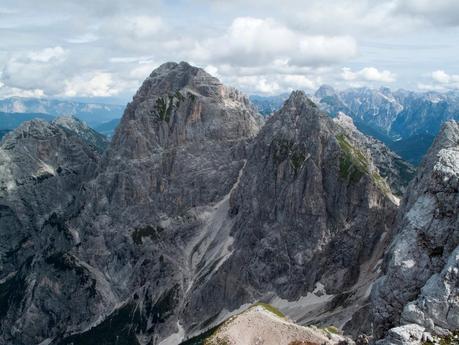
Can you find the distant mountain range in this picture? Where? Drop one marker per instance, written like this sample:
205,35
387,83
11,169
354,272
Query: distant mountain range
266,105
91,113
406,121
108,128
10,121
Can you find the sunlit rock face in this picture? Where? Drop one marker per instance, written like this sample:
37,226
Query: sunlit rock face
420,285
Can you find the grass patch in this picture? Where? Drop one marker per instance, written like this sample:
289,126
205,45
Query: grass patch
166,105
210,337
332,330
451,339
380,183
284,149
353,163
269,308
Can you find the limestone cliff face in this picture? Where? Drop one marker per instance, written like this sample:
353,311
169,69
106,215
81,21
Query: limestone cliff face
420,285
308,210
193,211
42,168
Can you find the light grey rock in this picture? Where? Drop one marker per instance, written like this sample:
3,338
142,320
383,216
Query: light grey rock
421,271
90,136
411,334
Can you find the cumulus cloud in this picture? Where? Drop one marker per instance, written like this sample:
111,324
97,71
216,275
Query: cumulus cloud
252,41
57,47
40,69
441,81
48,54
50,72
369,74
98,84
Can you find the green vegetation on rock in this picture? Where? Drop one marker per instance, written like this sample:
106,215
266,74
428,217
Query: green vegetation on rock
285,149
332,329
353,163
450,339
210,337
166,105
269,308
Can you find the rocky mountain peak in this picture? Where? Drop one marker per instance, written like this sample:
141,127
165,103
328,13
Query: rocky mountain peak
179,104
324,91
194,211
70,122
83,131
172,77
299,116
37,128
297,102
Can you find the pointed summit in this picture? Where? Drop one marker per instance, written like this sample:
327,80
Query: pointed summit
298,99
80,128
325,91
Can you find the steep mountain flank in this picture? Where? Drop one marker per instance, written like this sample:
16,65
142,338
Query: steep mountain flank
160,199
310,210
395,170
420,284
42,168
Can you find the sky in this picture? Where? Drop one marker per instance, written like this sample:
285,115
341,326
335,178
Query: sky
103,50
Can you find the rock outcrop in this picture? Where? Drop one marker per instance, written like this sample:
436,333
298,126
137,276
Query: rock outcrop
263,324
420,284
90,136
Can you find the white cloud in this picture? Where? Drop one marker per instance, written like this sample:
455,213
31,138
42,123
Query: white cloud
253,41
35,70
98,84
439,12
258,45
6,92
84,38
368,74
441,81
48,54
442,77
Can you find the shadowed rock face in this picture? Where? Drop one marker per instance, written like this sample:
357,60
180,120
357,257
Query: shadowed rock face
301,215
42,168
191,212
420,285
